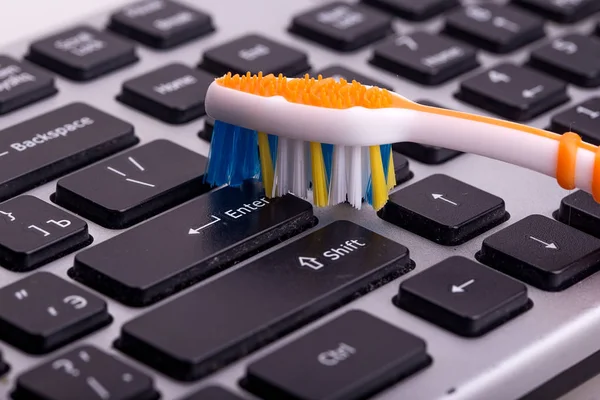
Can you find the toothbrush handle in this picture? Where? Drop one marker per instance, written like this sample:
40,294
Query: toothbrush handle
574,163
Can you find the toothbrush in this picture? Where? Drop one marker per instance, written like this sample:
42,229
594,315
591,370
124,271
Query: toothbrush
333,138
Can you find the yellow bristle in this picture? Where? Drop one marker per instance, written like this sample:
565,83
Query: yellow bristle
379,183
266,163
391,176
319,178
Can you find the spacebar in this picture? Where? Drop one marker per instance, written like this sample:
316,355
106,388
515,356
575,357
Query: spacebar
220,322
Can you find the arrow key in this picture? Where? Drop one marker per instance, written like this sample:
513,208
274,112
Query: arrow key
542,252
463,296
583,119
444,210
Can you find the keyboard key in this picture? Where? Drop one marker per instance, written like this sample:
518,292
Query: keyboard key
33,233
542,252
173,93
583,119
88,373
43,312
337,72
161,24
22,83
263,300
425,153
82,53
401,168
414,10
425,58
463,297
561,11
4,367
580,211
213,393
190,243
444,210
496,28
574,58
134,185
207,130
342,26
254,53
512,92
45,147
350,357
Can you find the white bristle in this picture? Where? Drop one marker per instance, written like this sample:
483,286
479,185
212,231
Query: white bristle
355,176
282,184
299,169
338,189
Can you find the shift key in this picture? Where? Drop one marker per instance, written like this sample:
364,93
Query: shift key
192,242
48,146
263,300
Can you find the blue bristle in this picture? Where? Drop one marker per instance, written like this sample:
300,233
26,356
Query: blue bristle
328,159
220,155
273,147
245,160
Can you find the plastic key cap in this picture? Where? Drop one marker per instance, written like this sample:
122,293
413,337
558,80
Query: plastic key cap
82,53
84,372
33,233
254,53
161,24
561,11
213,393
4,367
513,92
43,312
414,10
263,300
463,296
22,83
444,210
342,26
580,211
574,58
173,93
55,143
583,119
134,185
187,244
425,58
350,357
542,252
493,27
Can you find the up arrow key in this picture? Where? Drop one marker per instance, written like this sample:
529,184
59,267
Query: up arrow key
310,262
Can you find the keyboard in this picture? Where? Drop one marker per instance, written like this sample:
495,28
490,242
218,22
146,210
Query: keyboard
123,276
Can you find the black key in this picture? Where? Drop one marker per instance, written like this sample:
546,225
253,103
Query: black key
22,83
583,119
135,185
207,130
463,297
414,10
425,153
564,11
190,243
213,393
58,142
82,53
4,367
444,210
512,92
542,252
161,24
351,357
263,300
43,312
338,72
33,233
425,58
342,26
580,211
401,168
496,28
174,93
574,58
254,53
85,372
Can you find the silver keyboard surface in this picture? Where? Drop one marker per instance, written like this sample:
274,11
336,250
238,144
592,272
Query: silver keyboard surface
559,331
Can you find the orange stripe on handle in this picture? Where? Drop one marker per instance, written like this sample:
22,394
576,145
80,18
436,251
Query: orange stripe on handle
567,160
596,177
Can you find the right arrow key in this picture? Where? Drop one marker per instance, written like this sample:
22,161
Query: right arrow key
542,252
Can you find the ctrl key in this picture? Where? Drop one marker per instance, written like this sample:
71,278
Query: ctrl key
335,360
